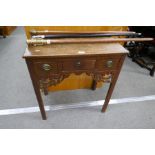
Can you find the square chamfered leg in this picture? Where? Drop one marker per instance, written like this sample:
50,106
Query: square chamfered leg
109,94
36,89
112,85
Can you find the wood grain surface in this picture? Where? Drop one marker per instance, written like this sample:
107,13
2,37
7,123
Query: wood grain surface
74,49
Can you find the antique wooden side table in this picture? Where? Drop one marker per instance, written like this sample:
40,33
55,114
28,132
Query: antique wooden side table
50,64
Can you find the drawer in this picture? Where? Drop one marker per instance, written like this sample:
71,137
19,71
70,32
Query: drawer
108,62
78,64
46,68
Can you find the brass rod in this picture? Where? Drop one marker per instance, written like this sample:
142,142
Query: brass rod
84,40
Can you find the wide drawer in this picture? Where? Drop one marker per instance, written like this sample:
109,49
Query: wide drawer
78,64
46,68
108,62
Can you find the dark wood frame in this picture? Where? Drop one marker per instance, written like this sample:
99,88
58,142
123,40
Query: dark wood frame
134,54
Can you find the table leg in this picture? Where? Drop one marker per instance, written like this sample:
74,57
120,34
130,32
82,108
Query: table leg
112,85
94,84
152,71
109,94
40,101
37,91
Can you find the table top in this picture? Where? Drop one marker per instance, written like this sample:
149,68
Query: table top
70,49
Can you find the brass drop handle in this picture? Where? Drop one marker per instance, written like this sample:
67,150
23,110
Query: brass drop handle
47,67
109,63
78,64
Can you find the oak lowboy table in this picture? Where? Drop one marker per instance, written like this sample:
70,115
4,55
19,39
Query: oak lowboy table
50,64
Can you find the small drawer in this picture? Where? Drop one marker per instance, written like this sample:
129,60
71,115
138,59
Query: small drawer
43,69
107,63
79,64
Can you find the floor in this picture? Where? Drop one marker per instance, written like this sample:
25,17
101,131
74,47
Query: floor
16,92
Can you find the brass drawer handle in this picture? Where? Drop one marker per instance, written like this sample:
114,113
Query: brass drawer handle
47,67
109,63
78,64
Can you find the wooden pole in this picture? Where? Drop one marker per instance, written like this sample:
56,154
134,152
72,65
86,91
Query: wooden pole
34,32
84,40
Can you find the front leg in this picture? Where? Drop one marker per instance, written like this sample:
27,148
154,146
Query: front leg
109,94
39,99
36,87
112,84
